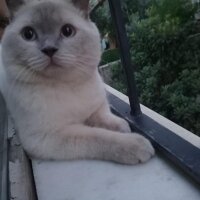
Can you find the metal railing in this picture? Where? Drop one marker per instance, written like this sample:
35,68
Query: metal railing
116,12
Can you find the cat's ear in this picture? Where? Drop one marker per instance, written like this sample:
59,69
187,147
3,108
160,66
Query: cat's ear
14,5
83,5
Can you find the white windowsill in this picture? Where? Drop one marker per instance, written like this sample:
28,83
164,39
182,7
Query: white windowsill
98,180
185,134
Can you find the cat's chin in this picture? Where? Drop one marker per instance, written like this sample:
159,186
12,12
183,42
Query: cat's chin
52,64
51,69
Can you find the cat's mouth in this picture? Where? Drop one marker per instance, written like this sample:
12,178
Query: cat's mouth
53,64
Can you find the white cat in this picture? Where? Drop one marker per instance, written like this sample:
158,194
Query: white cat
50,54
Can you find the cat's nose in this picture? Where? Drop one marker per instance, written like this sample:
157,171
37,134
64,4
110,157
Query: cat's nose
49,51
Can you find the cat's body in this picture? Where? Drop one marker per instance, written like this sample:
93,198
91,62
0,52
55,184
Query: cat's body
58,101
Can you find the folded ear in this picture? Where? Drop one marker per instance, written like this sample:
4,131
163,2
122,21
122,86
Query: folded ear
14,5
82,5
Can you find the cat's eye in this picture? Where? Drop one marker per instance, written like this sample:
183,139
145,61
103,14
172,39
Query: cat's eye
28,33
68,30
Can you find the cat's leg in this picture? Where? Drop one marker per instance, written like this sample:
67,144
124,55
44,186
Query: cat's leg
84,142
105,119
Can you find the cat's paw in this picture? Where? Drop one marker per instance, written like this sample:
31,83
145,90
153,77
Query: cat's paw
134,149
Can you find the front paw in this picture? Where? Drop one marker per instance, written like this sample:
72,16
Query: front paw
133,149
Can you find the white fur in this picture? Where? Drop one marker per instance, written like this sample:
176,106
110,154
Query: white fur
66,114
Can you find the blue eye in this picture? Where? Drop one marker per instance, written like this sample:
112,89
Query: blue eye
28,33
68,30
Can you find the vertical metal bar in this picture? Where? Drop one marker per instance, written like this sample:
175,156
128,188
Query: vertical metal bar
117,16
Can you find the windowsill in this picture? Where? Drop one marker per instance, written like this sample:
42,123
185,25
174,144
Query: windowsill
97,180
180,131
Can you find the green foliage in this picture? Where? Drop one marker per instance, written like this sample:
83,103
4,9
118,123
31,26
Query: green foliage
166,49
165,41
173,9
118,77
103,20
110,56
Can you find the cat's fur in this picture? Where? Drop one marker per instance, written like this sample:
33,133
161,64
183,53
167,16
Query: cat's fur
60,109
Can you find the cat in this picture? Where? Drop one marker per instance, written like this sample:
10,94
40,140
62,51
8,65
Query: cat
50,80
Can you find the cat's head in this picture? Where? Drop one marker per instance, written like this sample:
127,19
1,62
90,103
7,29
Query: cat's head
51,39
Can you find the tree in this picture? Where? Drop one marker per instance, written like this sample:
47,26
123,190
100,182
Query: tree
165,46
